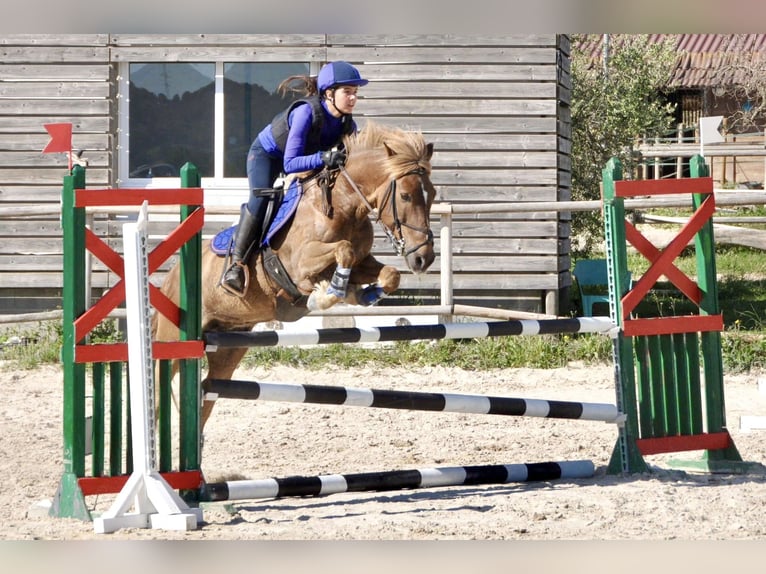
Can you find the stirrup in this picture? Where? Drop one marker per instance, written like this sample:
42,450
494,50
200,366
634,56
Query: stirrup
228,288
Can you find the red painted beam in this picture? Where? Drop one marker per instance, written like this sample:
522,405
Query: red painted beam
125,197
118,352
679,443
672,325
632,188
90,485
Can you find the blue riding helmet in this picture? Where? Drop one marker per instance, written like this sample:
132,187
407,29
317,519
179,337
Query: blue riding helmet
339,73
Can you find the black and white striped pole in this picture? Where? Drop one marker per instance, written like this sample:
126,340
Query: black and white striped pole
467,330
324,485
409,400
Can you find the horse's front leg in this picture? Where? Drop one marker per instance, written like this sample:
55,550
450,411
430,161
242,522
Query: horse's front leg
324,298
380,279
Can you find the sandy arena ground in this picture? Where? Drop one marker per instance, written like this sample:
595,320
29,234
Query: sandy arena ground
260,440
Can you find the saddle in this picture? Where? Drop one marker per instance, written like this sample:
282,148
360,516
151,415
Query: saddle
281,211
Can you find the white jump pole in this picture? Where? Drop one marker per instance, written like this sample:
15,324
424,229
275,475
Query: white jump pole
156,503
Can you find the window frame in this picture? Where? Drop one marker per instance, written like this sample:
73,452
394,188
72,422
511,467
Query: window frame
221,190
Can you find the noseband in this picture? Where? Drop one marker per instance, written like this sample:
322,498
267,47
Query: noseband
399,244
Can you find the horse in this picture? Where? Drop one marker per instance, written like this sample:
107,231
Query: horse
325,248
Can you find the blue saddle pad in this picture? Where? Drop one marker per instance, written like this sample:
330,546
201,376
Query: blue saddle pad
224,240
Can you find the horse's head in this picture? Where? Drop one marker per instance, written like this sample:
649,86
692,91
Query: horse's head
405,209
402,194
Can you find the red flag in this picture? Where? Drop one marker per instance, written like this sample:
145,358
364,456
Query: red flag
61,138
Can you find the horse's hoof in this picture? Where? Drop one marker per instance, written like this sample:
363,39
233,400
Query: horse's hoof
333,292
311,303
371,295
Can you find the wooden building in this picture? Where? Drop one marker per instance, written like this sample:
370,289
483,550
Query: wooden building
495,107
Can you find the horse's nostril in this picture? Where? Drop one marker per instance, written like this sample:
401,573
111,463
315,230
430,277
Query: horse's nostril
419,262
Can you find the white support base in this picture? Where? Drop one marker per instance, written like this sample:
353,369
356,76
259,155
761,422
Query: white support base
156,503
157,506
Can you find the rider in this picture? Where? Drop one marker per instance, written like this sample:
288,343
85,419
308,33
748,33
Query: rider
301,138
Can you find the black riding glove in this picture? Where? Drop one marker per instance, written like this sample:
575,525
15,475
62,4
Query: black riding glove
334,158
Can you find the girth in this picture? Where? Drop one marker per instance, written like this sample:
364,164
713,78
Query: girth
277,272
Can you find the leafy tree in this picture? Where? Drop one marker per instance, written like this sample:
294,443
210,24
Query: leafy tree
615,100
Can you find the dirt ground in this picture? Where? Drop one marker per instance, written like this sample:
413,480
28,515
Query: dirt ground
260,440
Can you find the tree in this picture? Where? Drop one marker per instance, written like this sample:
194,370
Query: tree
741,79
614,101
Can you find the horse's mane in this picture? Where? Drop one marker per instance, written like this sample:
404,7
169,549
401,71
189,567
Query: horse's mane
409,147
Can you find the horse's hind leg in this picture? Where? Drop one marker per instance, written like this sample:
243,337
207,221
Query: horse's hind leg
221,365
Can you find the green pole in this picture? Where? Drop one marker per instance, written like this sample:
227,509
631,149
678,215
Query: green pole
710,342
191,330
98,371
164,401
115,418
69,501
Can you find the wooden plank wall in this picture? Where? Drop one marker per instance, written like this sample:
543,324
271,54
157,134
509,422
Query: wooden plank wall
496,109
47,79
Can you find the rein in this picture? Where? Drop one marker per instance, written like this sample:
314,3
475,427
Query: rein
399,244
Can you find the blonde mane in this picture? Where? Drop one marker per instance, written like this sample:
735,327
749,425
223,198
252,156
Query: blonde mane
410,149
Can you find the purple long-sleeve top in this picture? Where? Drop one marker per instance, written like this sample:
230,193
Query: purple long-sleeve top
300,120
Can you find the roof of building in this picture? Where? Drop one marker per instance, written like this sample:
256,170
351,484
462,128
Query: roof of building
701,57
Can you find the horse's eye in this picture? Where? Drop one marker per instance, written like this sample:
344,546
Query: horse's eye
406,197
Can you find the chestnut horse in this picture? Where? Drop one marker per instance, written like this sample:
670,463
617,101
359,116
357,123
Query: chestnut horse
386,178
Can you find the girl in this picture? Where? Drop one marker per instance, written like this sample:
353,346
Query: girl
301,138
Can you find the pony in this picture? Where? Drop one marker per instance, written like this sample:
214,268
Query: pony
325,248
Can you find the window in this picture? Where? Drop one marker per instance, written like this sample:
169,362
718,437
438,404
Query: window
205,113
171,119
251,100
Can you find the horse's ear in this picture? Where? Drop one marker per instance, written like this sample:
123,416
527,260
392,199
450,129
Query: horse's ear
429,151
389,151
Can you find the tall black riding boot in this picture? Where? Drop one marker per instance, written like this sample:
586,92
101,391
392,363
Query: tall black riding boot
235,280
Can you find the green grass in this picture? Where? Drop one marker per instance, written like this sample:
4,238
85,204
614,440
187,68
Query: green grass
29,348
741,288
546,351
742,351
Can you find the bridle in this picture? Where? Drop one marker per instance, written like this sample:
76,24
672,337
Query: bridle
399,244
